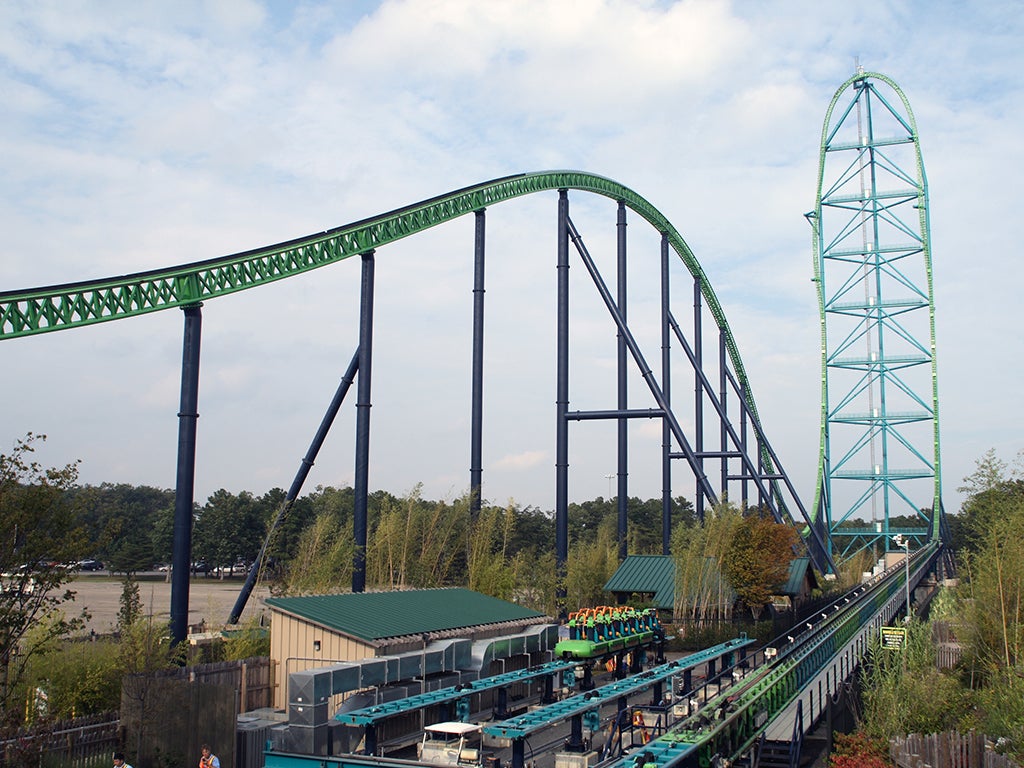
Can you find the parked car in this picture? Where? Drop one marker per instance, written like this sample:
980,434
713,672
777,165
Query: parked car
202,567
90,565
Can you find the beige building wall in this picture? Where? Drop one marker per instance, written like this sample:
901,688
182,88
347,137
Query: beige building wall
297,645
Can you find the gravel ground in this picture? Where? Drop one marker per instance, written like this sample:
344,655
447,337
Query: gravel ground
210,600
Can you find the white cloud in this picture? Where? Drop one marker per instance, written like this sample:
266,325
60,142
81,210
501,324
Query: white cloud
524,460
152,135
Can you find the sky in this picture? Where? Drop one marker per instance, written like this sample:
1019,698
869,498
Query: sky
141,135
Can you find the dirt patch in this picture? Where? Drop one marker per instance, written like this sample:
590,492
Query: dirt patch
210,600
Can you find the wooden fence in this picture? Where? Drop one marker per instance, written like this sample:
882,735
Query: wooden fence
88,742
84,742
947,750
252,678
948,651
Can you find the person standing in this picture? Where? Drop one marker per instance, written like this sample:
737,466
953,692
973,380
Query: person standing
208,760
119,761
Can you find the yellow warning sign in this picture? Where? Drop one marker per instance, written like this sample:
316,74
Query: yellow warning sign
893,637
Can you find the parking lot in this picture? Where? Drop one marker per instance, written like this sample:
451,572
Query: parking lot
210,599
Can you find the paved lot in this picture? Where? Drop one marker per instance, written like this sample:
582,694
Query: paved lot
209,599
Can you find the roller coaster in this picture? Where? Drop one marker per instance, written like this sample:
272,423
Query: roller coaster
728,455
599,632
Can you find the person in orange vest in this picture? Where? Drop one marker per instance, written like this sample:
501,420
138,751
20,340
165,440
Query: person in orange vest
208,759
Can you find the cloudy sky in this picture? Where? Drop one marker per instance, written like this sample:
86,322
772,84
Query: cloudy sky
139,135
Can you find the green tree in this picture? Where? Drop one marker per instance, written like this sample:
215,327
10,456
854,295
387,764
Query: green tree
323,559
294,518
38,535
113,515
490,567
417,543
131,605
535,530
247,641
536,581
590,564
701,593
79,678
229,527
162,537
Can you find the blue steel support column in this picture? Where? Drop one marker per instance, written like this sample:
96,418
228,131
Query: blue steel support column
698,410
361,481
476,440
723,393
760,456
518,753
657,694
623,432
666,388
562,403
743,443
575,741
184,489
297,482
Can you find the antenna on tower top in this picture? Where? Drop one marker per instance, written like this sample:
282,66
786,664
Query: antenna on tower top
858,65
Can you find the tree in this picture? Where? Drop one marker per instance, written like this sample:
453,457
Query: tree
131,605
757,560
489,565
701,593
228,527
114,514
79,678
418,543
323,559
38,537
590,564
296,518
992,560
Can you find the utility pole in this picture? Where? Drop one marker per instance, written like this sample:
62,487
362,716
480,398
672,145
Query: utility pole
904,541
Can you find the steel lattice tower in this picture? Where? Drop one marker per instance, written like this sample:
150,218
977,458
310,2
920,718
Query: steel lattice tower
879,450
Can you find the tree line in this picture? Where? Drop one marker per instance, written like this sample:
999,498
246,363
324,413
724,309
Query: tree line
130,528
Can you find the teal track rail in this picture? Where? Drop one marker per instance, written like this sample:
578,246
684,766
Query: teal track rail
748,707
756,701
883,207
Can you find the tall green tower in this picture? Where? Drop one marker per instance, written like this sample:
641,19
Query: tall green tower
879,450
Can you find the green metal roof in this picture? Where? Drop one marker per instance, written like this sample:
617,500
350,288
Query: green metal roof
799,569
646,574
377,615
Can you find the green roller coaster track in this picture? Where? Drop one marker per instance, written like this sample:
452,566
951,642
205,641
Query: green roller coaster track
61,307
875,214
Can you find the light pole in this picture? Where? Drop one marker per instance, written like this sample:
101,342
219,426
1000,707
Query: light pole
609,478
904,541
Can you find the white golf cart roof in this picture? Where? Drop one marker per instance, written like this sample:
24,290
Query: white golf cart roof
455,728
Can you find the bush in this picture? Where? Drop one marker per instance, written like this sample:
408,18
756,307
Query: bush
79,678
905,693
697,637
859,750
